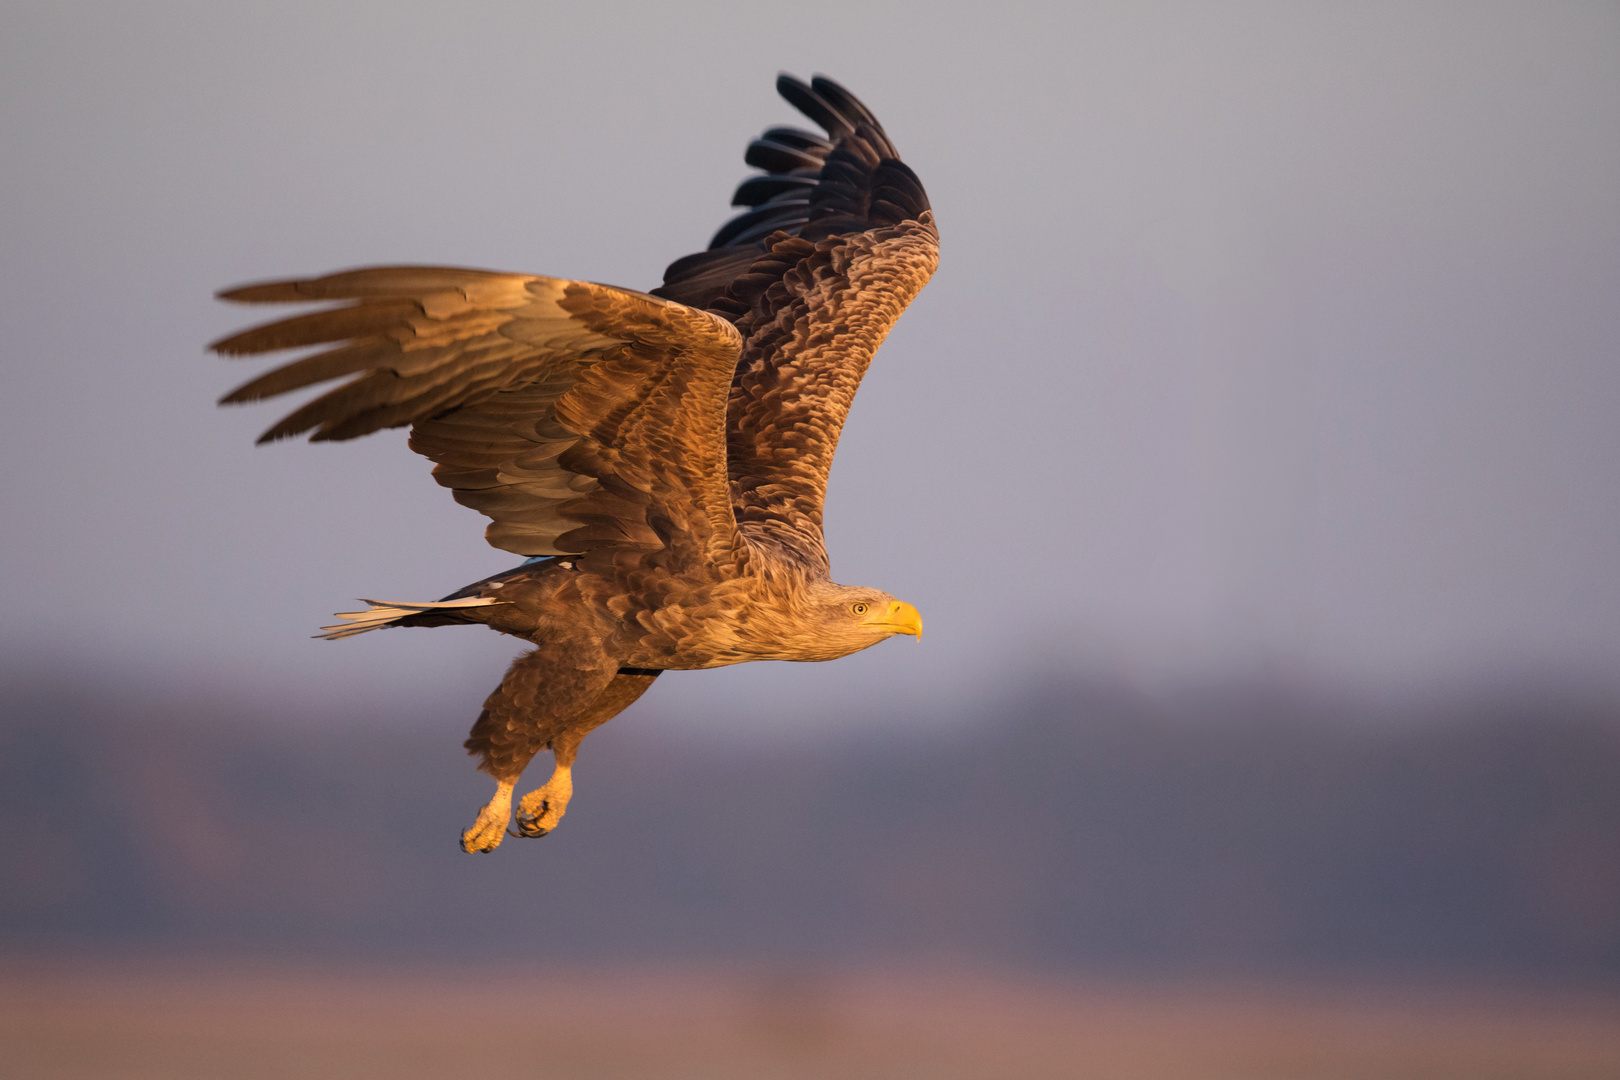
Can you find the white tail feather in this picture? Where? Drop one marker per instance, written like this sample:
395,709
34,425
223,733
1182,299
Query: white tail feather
381,613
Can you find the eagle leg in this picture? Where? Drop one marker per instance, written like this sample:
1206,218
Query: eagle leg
542,690
485,834
550,698
543,808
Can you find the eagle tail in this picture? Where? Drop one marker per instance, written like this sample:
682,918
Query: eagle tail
386,613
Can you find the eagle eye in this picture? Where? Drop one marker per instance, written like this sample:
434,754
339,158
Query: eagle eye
859,609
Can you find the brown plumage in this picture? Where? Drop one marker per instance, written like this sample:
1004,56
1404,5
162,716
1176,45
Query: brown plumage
662,458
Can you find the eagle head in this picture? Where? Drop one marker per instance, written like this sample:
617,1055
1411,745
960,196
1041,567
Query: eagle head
843,619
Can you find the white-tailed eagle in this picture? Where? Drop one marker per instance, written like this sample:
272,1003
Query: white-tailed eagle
660,458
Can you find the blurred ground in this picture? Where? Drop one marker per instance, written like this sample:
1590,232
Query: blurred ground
1246,884
1060,827
171,1021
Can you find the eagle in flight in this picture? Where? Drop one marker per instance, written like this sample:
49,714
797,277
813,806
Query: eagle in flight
661,458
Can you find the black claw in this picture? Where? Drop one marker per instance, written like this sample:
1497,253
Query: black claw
527,830
476,850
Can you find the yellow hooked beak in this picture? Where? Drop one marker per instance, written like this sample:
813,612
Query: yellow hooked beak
901,618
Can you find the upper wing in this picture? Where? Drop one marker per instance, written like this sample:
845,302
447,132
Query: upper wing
578,417
841,238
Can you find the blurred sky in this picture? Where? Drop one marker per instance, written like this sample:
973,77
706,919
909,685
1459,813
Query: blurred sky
1269,340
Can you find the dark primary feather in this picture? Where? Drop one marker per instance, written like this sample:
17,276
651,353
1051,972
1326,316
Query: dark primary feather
758,189
791,136
760,222
812,186
775,157
838,239
810,101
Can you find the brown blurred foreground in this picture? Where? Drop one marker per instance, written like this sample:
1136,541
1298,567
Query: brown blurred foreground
132,1021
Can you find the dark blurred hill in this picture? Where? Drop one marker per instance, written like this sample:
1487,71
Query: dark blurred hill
1072,828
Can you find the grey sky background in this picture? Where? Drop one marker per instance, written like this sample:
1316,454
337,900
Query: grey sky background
1270,340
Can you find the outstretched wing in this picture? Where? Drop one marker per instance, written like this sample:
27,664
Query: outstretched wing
577,416
839,241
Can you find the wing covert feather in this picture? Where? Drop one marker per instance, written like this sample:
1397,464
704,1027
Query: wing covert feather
576,416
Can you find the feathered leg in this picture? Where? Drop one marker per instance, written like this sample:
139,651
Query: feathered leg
539,697
543,808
